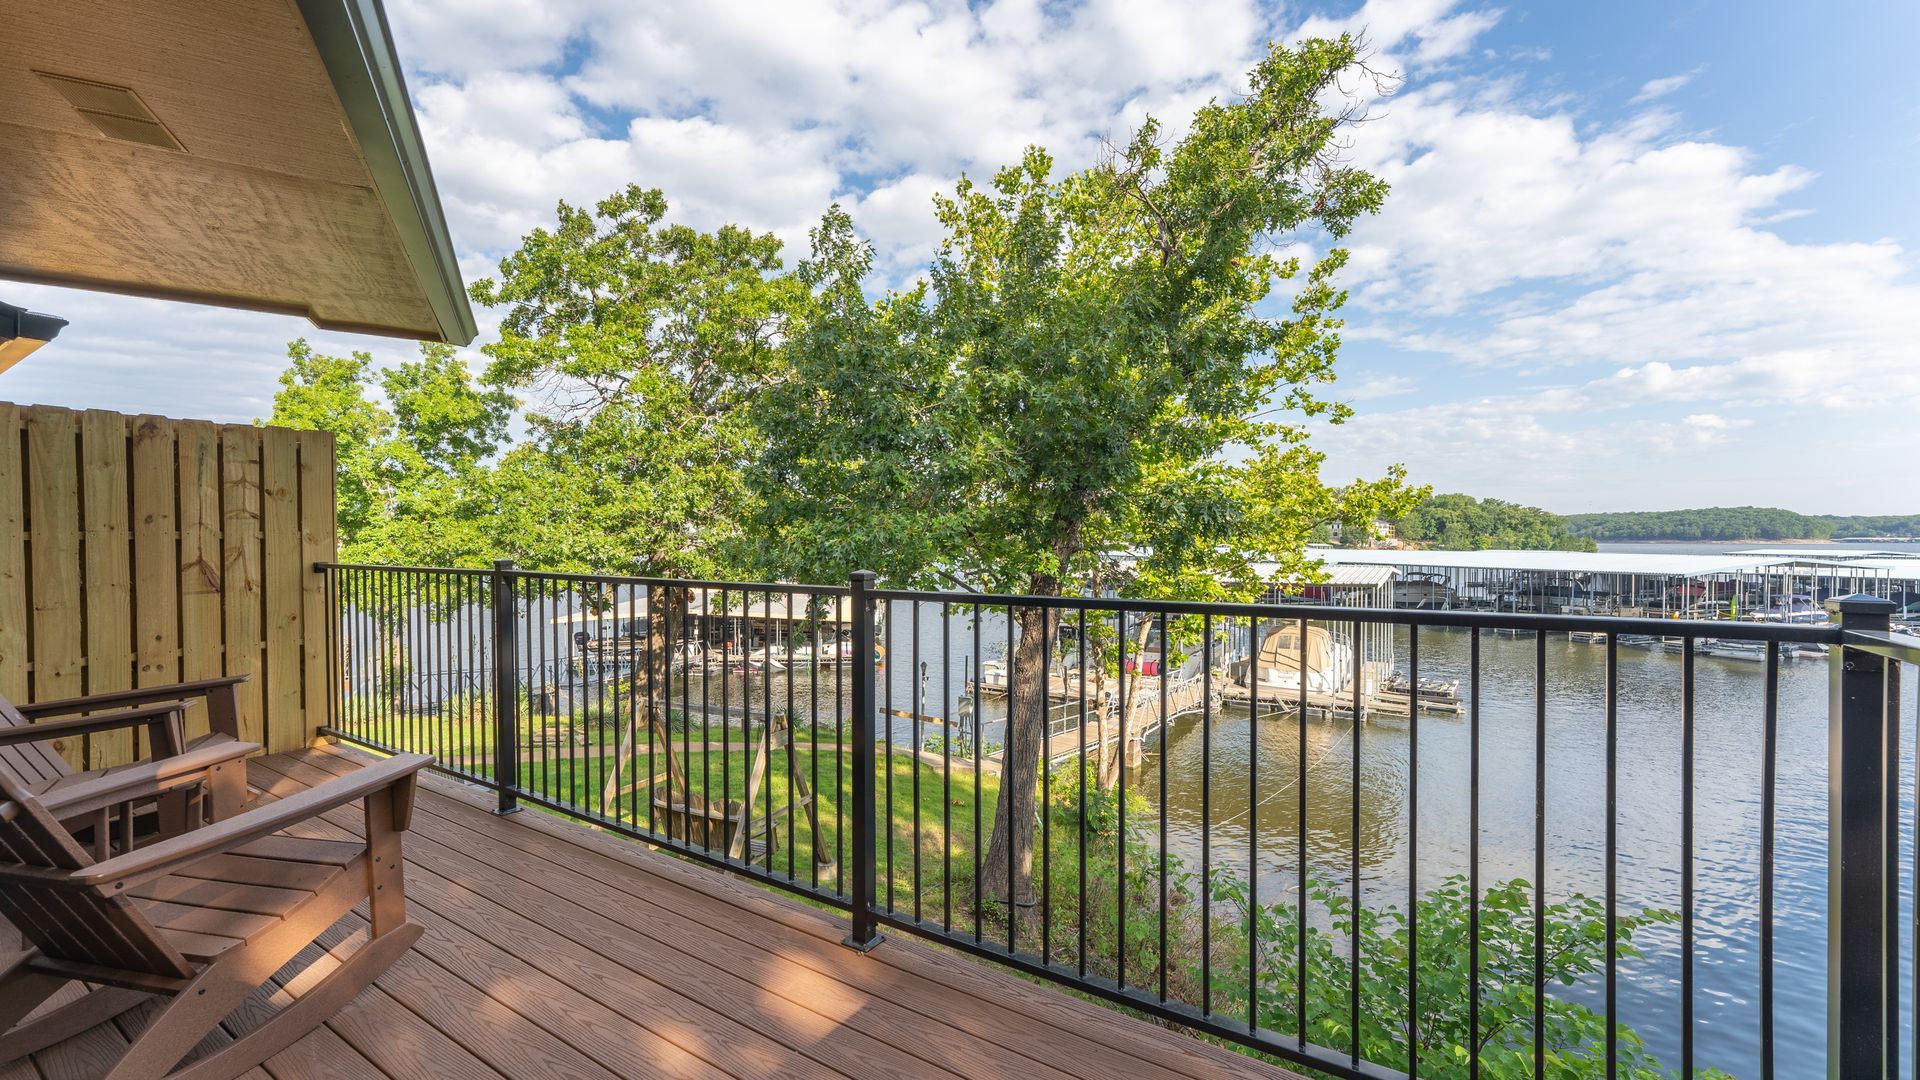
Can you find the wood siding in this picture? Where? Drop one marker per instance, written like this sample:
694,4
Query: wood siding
139,550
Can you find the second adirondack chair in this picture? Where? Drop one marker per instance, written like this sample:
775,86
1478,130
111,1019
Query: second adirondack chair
181,783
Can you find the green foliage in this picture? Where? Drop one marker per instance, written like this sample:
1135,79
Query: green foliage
411,481
1575,948
1737,523
1712,523
1463,523
638,340
1087,376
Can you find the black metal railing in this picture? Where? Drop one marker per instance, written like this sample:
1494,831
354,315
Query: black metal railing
1360,840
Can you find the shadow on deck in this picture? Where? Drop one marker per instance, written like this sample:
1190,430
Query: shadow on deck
554,950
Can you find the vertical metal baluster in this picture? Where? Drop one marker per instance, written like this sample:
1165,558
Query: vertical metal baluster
1613,849
1006,772
813,720
1539,852
946,766
919,710
1081,635
1686,857
1769,759
1120,850
1046,787
792,740
1353,834
1300,822
839,738
1253,823
766,717
686,703
1206,808
1890,977
979,751
886,720
726,721
645,776
1165,743
1413,849
1473,858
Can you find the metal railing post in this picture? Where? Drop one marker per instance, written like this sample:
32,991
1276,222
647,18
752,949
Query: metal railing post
863,936
1861,904
506,688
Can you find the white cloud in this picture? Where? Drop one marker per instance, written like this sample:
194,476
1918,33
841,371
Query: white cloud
1654,89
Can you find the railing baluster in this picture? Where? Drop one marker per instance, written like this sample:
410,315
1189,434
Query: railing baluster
863,936
1355,1020
1613,849
1206,811
1300,822
1769,771
1540,852
1253,824
1686,855
1473,857
1413,849
506,689
1080,638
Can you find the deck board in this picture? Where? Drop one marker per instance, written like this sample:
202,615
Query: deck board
552,949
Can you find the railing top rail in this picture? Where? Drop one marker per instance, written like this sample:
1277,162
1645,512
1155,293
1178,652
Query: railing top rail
1824,634
608,579
1894,646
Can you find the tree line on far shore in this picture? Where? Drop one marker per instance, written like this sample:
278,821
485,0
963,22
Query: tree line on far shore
1737,523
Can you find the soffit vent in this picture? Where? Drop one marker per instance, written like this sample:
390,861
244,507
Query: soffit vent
116,111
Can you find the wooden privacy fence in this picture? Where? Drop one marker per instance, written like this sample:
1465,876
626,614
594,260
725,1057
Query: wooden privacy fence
138,550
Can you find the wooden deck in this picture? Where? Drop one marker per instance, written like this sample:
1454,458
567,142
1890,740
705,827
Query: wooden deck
554,950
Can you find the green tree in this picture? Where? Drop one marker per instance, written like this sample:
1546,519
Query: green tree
1085,392
412,470
637,341
1464,523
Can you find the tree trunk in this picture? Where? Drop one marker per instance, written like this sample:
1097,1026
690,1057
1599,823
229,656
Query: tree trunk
666,623
1016,809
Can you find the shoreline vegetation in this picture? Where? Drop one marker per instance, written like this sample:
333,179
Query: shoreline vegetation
1463,523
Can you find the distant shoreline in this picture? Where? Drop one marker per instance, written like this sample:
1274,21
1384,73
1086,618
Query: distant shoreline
1734,541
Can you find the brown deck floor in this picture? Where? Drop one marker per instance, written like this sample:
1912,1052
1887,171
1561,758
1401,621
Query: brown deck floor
554,950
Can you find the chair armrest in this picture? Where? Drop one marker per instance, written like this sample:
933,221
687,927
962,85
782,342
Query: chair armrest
145,779
145,716
159,859
199,688
223,701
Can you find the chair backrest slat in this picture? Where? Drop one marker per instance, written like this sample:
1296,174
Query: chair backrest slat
34,762
65,921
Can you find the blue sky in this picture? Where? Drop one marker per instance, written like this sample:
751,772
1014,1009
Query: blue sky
1638,255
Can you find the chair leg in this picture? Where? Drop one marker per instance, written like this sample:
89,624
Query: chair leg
22,989
97,1007
310,1010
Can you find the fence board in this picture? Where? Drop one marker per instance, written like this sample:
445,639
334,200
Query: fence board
242,604
107,558
281,580
53,536
202,638
139,551
317,544
156,553
13,557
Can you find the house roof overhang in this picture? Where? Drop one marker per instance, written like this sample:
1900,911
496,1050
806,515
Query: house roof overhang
233,152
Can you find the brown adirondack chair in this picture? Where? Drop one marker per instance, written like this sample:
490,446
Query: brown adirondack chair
199,920
183,781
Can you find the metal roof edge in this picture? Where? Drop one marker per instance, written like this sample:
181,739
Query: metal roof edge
357,48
